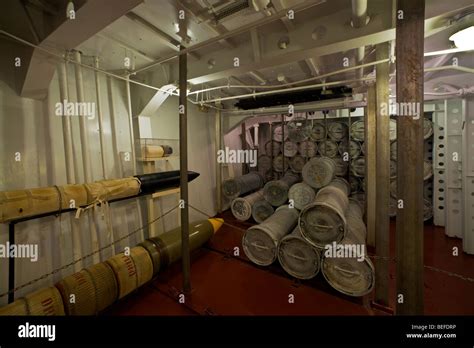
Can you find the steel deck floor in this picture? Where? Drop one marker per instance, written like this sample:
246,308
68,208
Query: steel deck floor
224,284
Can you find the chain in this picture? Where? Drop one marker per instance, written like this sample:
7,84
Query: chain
44,276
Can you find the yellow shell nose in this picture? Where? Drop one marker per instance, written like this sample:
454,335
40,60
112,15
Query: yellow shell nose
216,223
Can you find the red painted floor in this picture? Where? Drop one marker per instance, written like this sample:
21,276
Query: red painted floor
225,284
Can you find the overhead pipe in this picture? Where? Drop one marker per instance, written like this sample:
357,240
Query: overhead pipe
359,13
359,20
319,77
453,67
109,74
61,57
335,83
342,103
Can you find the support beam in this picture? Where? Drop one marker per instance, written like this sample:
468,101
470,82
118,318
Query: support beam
183,167
255,44
280,5
218,141
91,18
312,66
382,218
228,34
217,30
163,37
125,46
243,135
370,120
258,77
409,243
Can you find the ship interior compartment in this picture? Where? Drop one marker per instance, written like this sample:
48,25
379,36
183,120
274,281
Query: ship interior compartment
237,157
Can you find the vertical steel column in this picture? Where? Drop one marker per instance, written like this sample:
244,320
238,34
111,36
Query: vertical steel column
218,140
271,151
325,113
244,145
283,143
11,264
382,192
409,243
348,175
183,168
370,121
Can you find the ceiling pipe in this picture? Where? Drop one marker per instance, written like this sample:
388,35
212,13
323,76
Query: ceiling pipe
359,20
292,89
335,83
359,13
336,72
341,103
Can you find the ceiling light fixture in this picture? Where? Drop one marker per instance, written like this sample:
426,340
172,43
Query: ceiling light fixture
463,39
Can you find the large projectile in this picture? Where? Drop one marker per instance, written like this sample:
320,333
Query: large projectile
37,202
97,287
168,244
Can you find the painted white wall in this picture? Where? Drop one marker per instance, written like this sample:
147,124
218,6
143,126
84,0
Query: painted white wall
201,154
31,128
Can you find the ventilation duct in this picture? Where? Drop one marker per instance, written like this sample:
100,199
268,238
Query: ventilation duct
233,8
293,97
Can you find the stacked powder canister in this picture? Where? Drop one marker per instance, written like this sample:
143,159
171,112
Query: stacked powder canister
297,233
